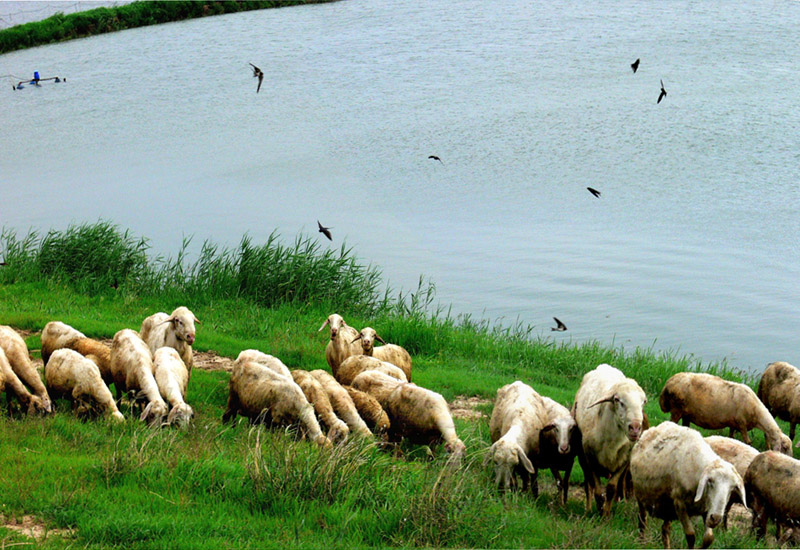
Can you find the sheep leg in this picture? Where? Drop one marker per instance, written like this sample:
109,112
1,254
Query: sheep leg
686,521
759,522
642,519
687,421
708,537
232,409
665,529
791,430
612,490
535,483
745,435
565,485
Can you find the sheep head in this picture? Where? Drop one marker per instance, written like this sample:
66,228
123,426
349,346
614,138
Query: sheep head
507,457
368,335
35,405
336,322
626,403
781,443
154,413
183,322
718,481
560,433
181,415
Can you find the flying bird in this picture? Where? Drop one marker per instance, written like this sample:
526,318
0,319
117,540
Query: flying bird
260,74
635,65
325,231
594,192
561,326
663,93
434,157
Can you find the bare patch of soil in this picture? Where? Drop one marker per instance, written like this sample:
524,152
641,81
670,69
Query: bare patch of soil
466,408
32,527
211,360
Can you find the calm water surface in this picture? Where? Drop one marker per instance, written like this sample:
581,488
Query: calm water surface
692,247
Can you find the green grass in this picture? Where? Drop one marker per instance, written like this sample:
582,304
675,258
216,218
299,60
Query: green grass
240,487
60,27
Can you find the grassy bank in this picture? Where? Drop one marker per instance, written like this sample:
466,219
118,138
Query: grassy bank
217,486
60,27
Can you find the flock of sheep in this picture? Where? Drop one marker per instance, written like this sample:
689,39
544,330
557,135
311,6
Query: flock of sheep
673,472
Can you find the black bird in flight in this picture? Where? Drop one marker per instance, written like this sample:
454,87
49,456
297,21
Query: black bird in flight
635,65
663,93
259,73
594,192
434,157
325,231
561,326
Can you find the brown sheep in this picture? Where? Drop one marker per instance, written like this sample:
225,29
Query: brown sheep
772,483
714,403
57,335
316,395
391,353
342,404
779,390
370,410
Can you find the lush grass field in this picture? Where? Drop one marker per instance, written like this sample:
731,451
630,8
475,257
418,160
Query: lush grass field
241,487
60,27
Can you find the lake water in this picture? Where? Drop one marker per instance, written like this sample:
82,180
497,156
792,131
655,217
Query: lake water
692,246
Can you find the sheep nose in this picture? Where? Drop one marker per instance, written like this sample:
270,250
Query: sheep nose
634,430
714,520
563,449
190,339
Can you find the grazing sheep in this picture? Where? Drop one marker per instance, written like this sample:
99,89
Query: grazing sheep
175,330
391,353
32,404
415,413
17,354
714,403
773,482
133,371
737,453
559,444
779,390
317,396
172,379
517,419
341,345
262,395
370,410
677,475
342,403
356,364
608,412
57,335
69,374
269,361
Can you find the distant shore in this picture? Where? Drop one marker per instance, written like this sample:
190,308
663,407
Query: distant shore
61,27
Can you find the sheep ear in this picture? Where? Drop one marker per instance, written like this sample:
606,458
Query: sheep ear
196,320
549,427
604,400
740,490
146,411
325,324
356,339
489,454
701,487
379,339
523,459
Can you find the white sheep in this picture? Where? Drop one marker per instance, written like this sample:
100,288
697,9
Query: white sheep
714,403
133,371
772,482
415,413
58,335
269,361
370,410
17,354
779,390
11,384
608,411
341,402
341,345
175,330
356,364
737,453
391,353
317,396
676,475
172,379
559,444
262,395
517,419
69,374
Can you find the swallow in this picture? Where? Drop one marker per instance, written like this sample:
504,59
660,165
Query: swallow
594,192
260,74
663,93
325,231
561,326
434,157
635,65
